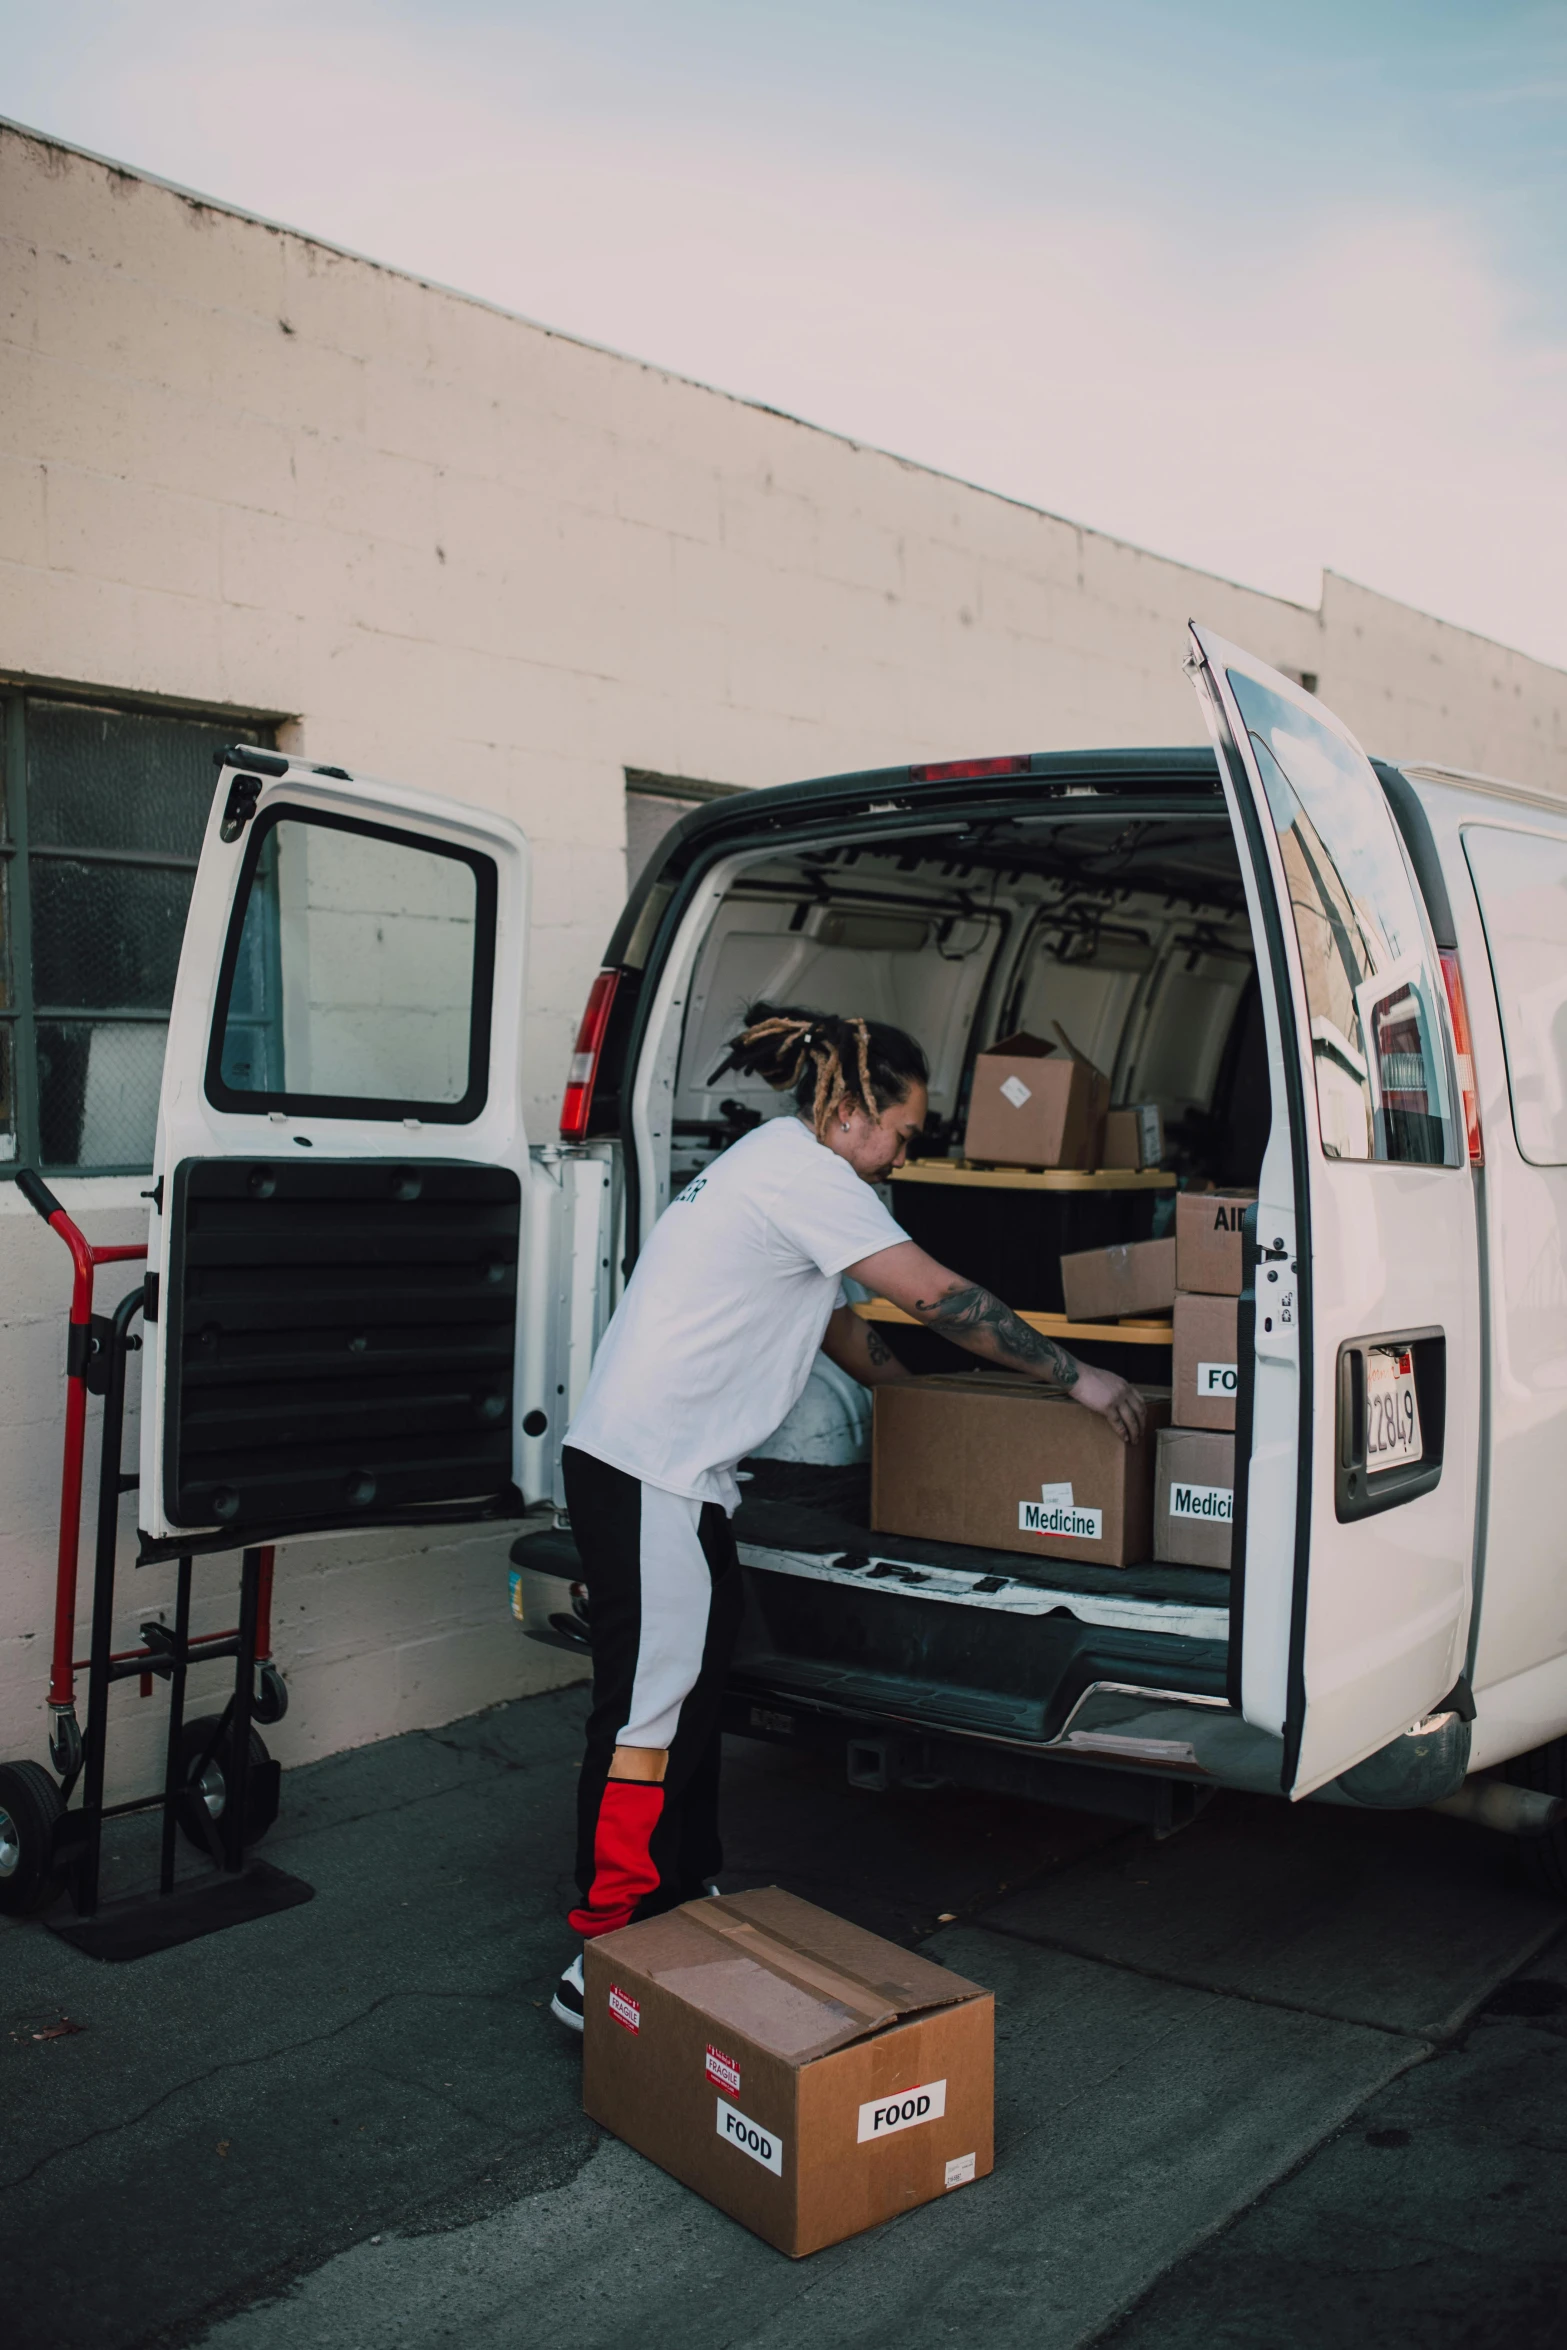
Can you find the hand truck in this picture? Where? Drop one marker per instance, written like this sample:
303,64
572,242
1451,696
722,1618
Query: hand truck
220,1785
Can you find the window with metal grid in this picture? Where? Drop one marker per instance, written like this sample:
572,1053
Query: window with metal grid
102,811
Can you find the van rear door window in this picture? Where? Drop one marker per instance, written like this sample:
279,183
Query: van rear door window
1376,1043
358,974
1520,880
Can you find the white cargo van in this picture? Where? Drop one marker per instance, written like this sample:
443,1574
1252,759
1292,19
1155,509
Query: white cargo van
1345,984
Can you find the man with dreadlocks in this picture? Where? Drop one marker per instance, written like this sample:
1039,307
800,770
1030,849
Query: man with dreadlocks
708,1352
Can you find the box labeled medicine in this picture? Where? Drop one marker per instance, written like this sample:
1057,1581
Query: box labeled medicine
809,2078
1001,1464
1194,1498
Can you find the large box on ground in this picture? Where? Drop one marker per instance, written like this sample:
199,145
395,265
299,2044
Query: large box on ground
1003,1464
807,2077
1036,1104
1208,1240
1206,1361
1134,1277
1194,1498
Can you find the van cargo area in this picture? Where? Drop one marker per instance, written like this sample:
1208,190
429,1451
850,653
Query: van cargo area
1108,913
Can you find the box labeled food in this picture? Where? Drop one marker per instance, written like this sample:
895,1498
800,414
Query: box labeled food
1134,1137
1006,1465
1206,1366
804,2075
1134,1277
1194,1498
1209,1228
1036,1104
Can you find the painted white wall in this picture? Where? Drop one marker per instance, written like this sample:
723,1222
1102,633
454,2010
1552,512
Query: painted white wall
242,470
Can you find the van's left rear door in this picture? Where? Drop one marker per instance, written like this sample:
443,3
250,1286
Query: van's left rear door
343,1192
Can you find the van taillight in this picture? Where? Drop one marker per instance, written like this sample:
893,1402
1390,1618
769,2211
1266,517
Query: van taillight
1453,980
964,770
578,1102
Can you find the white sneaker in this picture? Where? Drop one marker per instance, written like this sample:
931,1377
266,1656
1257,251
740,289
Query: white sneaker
567,2004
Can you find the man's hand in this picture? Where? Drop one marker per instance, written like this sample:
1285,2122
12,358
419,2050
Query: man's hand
1114,1399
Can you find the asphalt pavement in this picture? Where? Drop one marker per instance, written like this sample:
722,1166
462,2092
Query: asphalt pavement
1293,2076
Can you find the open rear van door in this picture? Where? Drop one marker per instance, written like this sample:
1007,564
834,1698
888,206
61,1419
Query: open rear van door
1354,1557
342,1187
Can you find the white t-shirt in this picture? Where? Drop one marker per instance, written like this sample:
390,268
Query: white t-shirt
713,1342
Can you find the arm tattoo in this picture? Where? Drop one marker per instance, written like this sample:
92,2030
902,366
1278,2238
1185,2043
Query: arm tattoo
973,1318
876,1346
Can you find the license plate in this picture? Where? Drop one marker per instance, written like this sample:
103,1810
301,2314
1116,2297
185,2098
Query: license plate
1392,1410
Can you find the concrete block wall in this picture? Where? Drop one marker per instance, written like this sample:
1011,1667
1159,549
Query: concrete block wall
244,471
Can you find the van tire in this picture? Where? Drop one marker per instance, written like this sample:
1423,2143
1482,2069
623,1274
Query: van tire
1543,1858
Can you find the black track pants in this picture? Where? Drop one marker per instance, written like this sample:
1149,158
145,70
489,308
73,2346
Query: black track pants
663,1582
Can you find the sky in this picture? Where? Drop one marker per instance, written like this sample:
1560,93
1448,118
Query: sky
1265,288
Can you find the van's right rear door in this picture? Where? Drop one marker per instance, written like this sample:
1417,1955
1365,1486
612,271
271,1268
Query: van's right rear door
1357,1549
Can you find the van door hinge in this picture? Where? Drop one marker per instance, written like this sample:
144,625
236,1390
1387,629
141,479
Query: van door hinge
1278,1288
87,1353
149,1298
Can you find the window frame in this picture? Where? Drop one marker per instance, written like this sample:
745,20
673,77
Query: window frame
19,855
372,1107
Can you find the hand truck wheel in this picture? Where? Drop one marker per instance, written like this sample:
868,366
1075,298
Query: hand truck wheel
30,1806
260,1801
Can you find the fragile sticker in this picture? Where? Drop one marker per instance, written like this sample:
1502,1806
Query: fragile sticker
1202,1501
624,2009
724,2070
883,2117
960,2170
1061,1518
1016,1091
1217,1378
763,2146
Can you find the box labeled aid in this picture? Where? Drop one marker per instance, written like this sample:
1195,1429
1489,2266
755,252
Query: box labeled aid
1194,1498
1206,1371
809,2078
1209,1235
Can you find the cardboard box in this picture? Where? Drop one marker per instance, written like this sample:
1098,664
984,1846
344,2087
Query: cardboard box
1006,1465
1134,1137
1205,1361
1208,1241
807,2077
1194,1498
1134,1277
1036,1104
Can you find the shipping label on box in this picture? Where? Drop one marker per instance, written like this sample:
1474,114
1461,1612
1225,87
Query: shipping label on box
1001,1464
1134,1277
1194,1498
1036,1104
1209,1237
1206,1373
854,2079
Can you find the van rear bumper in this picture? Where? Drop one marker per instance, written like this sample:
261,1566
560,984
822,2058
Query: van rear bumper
938,1684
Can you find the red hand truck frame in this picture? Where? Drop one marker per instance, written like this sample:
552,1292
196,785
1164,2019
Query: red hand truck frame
216,1772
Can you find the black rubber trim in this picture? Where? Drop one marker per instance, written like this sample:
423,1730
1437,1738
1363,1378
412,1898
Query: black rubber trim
321,1105
1419,840
1245,1410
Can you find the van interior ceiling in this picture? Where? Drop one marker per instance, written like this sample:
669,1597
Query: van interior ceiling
1128,937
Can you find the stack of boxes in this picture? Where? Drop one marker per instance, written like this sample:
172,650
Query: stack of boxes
1195,1475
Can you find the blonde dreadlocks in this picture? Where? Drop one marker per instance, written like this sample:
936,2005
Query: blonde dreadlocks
811,1054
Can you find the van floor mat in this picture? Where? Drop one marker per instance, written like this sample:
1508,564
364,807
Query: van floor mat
801,1505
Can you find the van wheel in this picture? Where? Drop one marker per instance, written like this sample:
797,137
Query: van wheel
211,1791
1543,1858
30,1807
